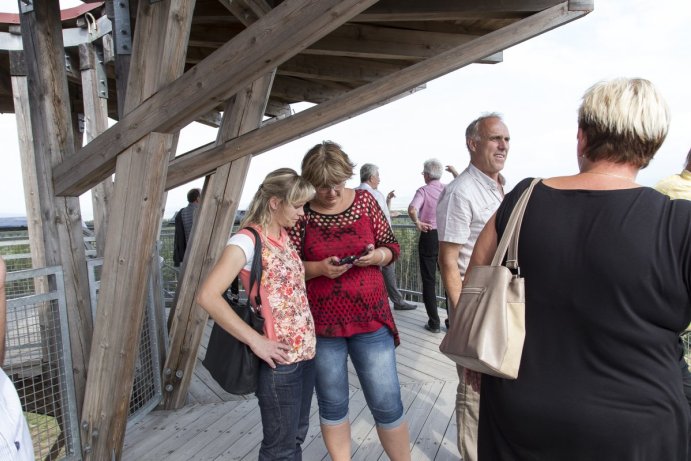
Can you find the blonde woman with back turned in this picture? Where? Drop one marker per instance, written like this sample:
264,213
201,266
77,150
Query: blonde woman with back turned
607,264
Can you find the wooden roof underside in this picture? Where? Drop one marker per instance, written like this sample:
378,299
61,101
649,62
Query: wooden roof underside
346,68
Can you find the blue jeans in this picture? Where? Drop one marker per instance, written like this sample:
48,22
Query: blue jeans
285,396
374,360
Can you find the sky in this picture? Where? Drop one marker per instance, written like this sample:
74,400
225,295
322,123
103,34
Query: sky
537,89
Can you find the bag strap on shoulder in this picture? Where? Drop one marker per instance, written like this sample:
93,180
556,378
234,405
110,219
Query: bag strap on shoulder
256,271
509,240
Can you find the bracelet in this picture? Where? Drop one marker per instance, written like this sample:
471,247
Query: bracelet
383,256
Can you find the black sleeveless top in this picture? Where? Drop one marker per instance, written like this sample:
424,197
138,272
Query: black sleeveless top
608,290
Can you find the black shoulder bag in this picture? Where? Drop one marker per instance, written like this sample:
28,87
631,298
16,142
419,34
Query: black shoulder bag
230,361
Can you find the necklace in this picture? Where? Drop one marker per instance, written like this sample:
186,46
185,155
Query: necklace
610,174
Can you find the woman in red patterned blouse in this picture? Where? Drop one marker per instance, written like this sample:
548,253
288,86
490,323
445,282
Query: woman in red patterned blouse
344,240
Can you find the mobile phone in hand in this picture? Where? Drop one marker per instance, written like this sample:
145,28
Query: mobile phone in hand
347,260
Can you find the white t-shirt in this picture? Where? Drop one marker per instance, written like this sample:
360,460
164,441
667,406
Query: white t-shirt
15,439
246,245
464,206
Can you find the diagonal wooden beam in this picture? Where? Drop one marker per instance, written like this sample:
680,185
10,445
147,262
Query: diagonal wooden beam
281,34
185,168
212,226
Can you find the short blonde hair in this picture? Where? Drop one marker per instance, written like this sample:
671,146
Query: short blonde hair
625,120
286,185
326,165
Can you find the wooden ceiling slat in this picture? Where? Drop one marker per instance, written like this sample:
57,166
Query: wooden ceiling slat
365,41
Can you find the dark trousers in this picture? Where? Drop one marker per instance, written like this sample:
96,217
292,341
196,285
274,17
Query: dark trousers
428,252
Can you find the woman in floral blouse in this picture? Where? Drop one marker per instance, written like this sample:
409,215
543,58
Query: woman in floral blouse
287,348
344,240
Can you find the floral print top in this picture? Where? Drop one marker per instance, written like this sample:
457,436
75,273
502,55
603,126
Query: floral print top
287,316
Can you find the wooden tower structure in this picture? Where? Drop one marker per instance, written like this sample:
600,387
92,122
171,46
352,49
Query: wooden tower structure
155,66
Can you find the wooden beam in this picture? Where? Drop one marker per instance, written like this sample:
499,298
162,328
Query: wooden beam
273,39
134,219
377,42
53,141
96,122
278,110
450,10
212,227
247,11
185,168
297,90
338,69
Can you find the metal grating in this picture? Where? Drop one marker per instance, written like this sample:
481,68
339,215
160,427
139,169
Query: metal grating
408,265
146,388
39,363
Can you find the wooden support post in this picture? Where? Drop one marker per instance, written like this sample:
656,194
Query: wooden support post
212,227
53,141
158,58
96,122
20,94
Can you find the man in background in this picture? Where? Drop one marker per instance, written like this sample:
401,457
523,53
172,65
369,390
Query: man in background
369,181
15,439
422,212
464,207
184,220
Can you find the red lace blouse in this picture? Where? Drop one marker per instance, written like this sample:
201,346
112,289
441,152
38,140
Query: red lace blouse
355,302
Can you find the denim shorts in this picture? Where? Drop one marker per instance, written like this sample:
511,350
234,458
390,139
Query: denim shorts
374,360
285,396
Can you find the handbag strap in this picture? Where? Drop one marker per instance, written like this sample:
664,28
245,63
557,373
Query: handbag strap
256,270
509,240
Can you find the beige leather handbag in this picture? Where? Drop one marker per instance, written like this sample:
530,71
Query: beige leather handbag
487,327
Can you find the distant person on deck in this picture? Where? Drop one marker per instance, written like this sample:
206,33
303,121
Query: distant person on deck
184,220
422,211
369,181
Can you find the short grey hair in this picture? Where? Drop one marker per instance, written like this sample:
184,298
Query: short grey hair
367,171
473,130
433,168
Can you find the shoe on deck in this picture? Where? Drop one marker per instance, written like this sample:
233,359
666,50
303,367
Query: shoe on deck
404,307
432,329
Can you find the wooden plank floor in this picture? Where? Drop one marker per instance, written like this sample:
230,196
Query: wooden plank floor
215,425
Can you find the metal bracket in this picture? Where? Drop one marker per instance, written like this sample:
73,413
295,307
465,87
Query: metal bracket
101,72
26,6
122,30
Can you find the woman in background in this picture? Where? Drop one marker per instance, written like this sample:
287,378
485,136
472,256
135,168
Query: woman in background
607,265
286,374
344,239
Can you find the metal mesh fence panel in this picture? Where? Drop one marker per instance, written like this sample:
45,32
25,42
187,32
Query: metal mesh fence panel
146,388
39,363
408,265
